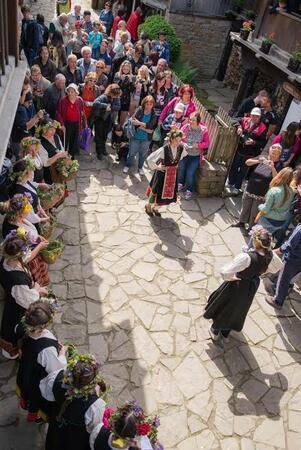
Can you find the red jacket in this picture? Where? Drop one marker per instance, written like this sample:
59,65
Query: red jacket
115,26
133,24
61,111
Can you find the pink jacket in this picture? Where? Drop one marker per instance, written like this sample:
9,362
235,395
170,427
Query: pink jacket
171,105
206,139
278,140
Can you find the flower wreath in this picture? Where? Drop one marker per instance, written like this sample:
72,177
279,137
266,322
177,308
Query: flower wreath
174,133
20,203
30,165
73,357
146,426
32,328
24,239
43,127
30,140
255,233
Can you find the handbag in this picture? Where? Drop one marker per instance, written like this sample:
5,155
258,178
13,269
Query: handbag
157,135
85,139
129,128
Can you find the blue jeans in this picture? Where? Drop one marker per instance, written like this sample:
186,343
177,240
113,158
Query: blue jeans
30,55
287,272
137,147
187,170
238,170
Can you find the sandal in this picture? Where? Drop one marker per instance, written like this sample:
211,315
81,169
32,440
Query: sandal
157,213
148,212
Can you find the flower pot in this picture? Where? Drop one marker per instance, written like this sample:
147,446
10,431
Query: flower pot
244,34
293,65
265,47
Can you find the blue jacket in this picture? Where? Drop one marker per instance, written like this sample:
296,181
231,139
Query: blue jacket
30,35
163,50
107,18
291,249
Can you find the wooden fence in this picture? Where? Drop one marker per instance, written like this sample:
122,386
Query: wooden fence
223,136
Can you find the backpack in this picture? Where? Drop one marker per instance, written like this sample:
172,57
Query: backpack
41,34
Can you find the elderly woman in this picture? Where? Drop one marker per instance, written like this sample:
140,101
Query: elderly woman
89,91
18,284
264,170
70,113
196,138
185,96
38,85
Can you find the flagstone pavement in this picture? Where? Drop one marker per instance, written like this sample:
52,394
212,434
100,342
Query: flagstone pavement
134,291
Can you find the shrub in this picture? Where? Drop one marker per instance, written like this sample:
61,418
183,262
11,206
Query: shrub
185,72
153,25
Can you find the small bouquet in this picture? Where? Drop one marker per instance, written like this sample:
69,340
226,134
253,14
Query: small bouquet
52,252
67,168
51,197
47,228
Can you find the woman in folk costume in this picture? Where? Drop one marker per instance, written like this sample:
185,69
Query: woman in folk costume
126,428
19,287
228,306
40,354
77,393
162,189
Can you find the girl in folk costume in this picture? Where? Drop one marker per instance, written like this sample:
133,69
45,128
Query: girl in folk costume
78,393
18,216
20,290
163,185
126,428
228,306
41,354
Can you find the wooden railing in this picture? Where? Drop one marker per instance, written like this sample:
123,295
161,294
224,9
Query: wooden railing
9,35
223,136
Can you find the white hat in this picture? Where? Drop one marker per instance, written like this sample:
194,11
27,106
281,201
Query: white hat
179,107
256,112
74,86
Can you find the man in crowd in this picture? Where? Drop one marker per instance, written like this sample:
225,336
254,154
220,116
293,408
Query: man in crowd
71,72
53,95
86,64
251,102
61,24
38,85
74,16
105,56
29,35
134,22
47,66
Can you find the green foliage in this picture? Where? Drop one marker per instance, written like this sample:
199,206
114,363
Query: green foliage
250,14
186,73
296,55
153,25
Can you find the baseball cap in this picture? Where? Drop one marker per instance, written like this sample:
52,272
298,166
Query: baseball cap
256,112
179,107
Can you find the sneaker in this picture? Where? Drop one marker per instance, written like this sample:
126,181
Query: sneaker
271,302
188,195
141,172
125,169
213,335
180,187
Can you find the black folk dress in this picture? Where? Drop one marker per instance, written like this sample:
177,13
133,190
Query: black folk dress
228,306
163,187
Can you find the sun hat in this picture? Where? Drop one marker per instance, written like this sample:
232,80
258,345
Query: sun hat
256,112
72,86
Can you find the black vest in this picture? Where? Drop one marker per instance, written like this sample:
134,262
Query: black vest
259,265
168,156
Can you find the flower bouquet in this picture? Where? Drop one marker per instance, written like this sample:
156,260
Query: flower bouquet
47,228
52,252
67,168
50,197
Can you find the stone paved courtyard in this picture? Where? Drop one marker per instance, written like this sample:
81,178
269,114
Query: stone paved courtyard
135,290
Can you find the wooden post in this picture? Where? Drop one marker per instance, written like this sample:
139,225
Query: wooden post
243,88
12,19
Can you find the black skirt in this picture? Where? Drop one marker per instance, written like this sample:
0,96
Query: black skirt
155,189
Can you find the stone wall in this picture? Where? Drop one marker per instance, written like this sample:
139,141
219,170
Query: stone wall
210,179
234,68
203,40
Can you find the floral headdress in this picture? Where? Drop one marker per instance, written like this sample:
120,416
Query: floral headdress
174,133
30,165
44,126
257,235
23,241
90,370
28,327
146,425
20,204
30,140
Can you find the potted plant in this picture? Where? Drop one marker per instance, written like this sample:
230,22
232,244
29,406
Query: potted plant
246,29
237,5
294,61
283,5
267,43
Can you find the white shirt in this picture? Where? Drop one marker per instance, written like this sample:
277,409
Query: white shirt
159,154
22,294
49,358
240,263
93,413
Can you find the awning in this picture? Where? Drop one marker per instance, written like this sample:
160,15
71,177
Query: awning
156,4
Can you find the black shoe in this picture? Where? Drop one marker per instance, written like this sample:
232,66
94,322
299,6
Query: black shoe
271,302
238,225
99,156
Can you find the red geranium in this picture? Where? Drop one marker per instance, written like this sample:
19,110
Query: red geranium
143,429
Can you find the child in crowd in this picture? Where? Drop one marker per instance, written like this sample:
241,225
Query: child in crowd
120,142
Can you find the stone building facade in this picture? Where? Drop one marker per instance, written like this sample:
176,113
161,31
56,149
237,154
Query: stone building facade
203,40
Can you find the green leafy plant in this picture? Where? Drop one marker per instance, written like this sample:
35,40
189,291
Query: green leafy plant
270,39
185,72
153,25
296,55
250,14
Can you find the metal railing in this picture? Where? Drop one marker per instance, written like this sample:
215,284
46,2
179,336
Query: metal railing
9,34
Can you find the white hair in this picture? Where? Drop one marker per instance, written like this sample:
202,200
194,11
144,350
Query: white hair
60,76
72,56
84,49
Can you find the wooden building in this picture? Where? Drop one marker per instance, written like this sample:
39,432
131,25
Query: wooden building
12,70
283,84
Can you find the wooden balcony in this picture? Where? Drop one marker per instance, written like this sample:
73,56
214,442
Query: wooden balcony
12,70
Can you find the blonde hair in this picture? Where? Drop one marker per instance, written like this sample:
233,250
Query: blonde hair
101,63
144,71
35,69
125,63
90,76
283,178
